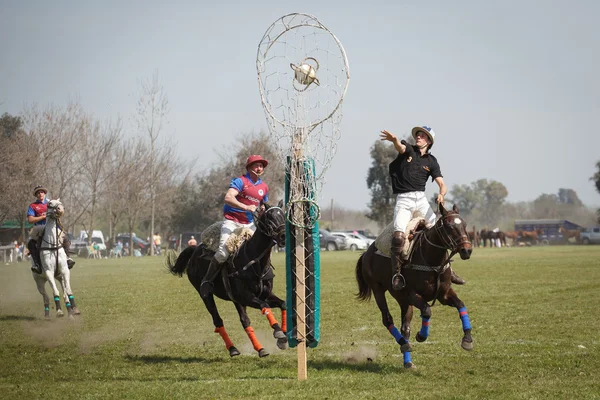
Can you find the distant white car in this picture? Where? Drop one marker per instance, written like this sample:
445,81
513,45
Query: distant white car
353,241
362,237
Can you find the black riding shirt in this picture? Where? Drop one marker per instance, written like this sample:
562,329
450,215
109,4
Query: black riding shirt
412,176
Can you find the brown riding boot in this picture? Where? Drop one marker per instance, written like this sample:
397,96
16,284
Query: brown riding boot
398,239
457,280
207,286
35,256
67,247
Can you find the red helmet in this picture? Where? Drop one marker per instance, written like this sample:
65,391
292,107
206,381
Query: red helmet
254,159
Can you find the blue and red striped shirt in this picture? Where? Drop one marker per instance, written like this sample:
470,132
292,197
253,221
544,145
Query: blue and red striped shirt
249,193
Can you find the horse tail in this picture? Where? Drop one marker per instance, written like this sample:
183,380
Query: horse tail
180,265
364,290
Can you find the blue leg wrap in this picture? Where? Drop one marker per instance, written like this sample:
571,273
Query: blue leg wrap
56,298
464,317
397,335
424,332
407,358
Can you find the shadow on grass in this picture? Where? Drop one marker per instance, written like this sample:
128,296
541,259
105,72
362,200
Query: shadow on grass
169,359
331,365
17,318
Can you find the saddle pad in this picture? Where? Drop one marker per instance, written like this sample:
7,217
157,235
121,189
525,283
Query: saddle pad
384,240
210,238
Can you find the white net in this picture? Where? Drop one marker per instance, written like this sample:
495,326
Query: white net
303,75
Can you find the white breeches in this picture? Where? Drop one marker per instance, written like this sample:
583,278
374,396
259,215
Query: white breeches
226,229
406,205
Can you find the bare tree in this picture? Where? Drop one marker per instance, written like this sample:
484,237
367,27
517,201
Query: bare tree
152,109
97,144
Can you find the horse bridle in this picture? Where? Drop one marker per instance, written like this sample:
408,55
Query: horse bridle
57,245
269,229
450,243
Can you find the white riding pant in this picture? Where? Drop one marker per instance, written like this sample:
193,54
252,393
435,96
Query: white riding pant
406,205
227,228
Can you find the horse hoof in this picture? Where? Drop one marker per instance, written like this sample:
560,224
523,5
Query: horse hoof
282,343
76,311
409,365
420,338
405,348
263,353
279,335
60,314
467,345
233,351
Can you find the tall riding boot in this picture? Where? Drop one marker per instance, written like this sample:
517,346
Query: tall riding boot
207,286
398,239
35,256
67,247
457,280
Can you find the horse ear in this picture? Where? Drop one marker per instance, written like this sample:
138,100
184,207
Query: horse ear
280,204
455,209
267,206
442,209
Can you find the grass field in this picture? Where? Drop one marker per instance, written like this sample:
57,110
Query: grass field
144,333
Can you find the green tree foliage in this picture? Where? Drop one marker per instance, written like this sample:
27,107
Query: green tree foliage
569,196
481,201
379,183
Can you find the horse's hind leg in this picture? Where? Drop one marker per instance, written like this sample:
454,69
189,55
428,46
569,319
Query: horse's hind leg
40,282
67,292
451,299
250,331
388,322
209,302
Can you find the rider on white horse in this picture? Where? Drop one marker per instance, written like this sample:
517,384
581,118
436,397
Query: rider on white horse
36,215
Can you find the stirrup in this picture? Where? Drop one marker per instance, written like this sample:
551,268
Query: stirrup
206,288
398,282
70,263
37,269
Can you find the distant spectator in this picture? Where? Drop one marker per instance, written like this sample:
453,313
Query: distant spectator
192,241
156,241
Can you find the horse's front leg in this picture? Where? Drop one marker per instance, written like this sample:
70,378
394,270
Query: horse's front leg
419,302
50,278
279,333
250,331
40,283
450,298
68,297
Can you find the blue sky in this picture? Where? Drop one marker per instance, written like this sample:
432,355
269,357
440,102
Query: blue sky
511,88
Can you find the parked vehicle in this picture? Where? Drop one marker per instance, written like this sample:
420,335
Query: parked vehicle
331,242
97,237
353,242
139,244
358,235
590,236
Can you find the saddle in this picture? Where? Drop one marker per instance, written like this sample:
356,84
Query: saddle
210,238
384,240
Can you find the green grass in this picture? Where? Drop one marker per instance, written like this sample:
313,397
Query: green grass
146,334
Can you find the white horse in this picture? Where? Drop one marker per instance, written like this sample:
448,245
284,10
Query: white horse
54,261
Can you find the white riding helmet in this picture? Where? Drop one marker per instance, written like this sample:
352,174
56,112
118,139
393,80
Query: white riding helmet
425,129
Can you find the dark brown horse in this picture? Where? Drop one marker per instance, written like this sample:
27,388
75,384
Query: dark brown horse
247,281
474,237
427,276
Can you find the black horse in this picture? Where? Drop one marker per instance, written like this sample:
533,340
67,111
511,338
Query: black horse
428,277
247,279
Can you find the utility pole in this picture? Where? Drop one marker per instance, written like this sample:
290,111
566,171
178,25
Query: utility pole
332,217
